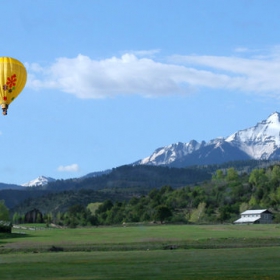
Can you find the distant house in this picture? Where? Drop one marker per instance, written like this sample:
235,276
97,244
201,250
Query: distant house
262,216
6,227
33,216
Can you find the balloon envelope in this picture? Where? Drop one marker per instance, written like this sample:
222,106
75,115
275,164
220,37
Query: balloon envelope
13,77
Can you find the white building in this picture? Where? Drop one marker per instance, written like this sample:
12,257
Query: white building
262,216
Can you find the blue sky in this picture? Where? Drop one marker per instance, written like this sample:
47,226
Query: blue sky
109,81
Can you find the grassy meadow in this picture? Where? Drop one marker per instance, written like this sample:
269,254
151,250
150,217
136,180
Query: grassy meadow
142,252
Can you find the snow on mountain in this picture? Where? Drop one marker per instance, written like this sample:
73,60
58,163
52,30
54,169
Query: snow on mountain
261,141
40,181
168,154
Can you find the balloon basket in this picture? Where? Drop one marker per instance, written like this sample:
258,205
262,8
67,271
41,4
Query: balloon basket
4,109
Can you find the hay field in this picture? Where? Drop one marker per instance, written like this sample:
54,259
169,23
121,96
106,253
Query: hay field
143,252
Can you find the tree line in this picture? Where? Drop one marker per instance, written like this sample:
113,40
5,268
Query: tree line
218,200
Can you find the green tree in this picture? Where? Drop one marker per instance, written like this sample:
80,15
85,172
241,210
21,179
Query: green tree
4,212
276,218
166,189
243,207
48,218
258,177
163,213
224,213
253,201
232,174
198,214
156,197
78,215
105,206
274,198
116,214
219,175
16,218
58,218
275,174
93,207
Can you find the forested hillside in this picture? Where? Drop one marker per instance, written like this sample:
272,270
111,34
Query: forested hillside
219,199
139,176
121,183
127,179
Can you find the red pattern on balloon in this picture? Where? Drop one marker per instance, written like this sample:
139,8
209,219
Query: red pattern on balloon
11,83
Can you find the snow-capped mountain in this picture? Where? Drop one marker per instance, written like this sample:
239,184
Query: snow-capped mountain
259,142
40,181
168,154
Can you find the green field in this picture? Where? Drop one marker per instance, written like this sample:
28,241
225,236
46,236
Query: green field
143,252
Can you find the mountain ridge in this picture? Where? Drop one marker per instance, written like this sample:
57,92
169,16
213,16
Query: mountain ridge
259,142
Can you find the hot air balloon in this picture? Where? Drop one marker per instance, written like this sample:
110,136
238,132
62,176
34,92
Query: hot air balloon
13,77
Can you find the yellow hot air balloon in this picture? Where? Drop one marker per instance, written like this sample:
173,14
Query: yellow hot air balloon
13,77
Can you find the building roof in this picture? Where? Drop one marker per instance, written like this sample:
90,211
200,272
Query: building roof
247,220
5,223
252,212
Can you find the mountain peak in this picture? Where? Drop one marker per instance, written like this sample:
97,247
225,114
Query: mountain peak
274,118
40,181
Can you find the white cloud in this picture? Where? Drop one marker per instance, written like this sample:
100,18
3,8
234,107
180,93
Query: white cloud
68,168
149,53
241,49
244,74
130,74
35,67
